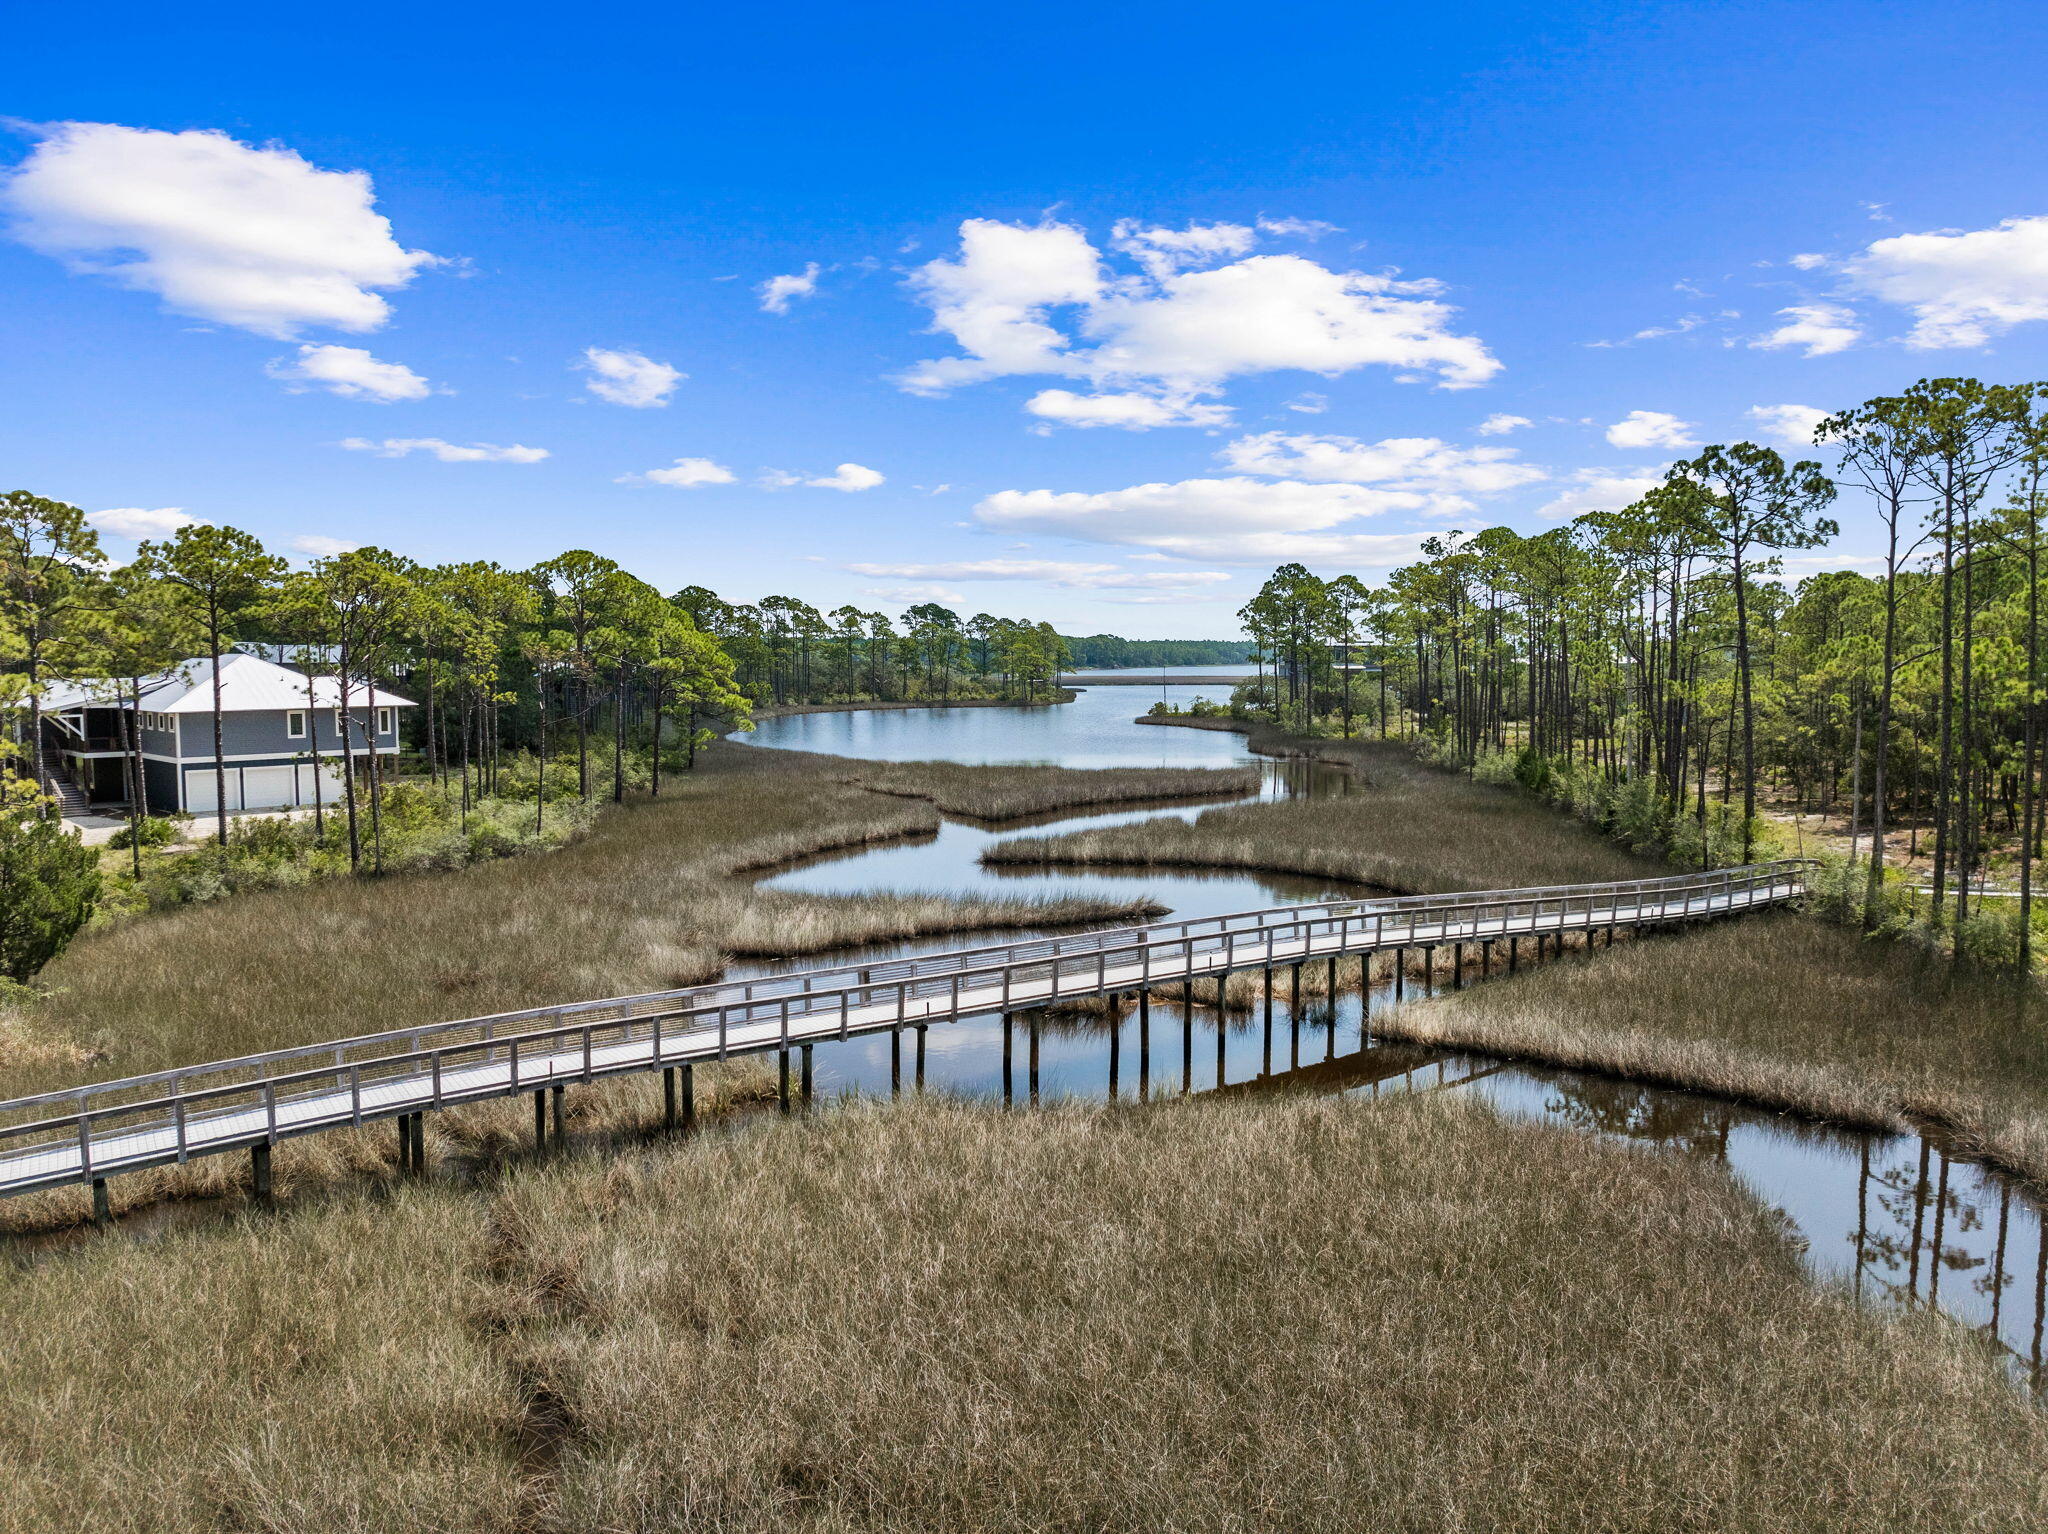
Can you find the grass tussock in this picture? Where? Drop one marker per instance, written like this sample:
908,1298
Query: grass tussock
1268,1316
1783,1009
1407,826
311,1375
1009,793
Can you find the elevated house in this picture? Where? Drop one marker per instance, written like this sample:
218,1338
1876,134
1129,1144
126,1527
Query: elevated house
278,731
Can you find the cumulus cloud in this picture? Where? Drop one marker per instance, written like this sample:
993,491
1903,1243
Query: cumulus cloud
1599,490
1162,252
447,452
683,474
1818,329
1235,520
1072,574
141,522
848,477
629,378
1040,299
777,292
1439,473
1962,286
1789,425
1499,424
257,238
1809,261
351,372
1132,412
320,546
1650,428
911,594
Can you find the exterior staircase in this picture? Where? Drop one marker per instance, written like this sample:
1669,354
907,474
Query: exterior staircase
70,797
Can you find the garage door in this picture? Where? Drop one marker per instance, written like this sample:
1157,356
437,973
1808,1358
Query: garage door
331,790
265,788
199,788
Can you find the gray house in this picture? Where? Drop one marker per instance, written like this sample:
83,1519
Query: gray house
278,730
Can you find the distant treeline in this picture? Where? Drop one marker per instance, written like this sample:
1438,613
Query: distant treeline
1108,652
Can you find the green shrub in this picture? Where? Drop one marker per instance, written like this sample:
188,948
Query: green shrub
49,884
153,831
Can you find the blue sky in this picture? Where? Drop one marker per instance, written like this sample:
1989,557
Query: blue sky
1098,312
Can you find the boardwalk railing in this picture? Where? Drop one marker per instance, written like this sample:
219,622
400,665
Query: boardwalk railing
86,1134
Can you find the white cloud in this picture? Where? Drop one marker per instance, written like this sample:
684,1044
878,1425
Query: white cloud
351,372
1309,403
1499,424
683,474
1821,329
1809,261
777,292
1171,332
447,452
1132,412
1071,574
912,594
140,522
1162,252
1790,425
1962,286
320,546
629,378
848,477
1599,490
255,238
1236,520
1434,470
1650,428
1297,228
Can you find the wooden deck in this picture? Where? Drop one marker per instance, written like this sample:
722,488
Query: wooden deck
91,1133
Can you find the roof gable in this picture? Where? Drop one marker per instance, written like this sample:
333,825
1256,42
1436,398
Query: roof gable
247,684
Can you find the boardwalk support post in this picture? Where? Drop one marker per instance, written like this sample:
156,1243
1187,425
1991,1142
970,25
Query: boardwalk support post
806,1088
1032,1028
102,1207
1009,1079
920,1056
668,1098
259,1171
782,1080
540,1119
1116,1039
689,1095
1144,1045
558,1095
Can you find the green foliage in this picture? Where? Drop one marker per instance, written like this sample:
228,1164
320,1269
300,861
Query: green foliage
151,831
49,885
1108,652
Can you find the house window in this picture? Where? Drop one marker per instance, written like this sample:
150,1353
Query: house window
295,724
383,721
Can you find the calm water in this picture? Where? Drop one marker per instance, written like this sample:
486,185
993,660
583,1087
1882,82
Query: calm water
1894,1218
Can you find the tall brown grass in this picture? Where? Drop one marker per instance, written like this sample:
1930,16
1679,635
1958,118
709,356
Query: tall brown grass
1407,826
1292,1315
314,1374
1007,793
1273,1314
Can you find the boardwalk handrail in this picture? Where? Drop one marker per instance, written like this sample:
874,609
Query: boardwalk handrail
192,1110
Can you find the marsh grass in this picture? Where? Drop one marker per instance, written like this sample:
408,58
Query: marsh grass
312,1374
1782,1009
1407,826
1280,1315
656,895
1009,793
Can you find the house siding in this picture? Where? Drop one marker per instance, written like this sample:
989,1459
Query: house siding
261,732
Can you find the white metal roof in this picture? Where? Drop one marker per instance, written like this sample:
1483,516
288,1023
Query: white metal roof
247,683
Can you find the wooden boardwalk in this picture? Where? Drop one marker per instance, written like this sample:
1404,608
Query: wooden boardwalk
88,1134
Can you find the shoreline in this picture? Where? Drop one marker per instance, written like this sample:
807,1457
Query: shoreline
787,710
